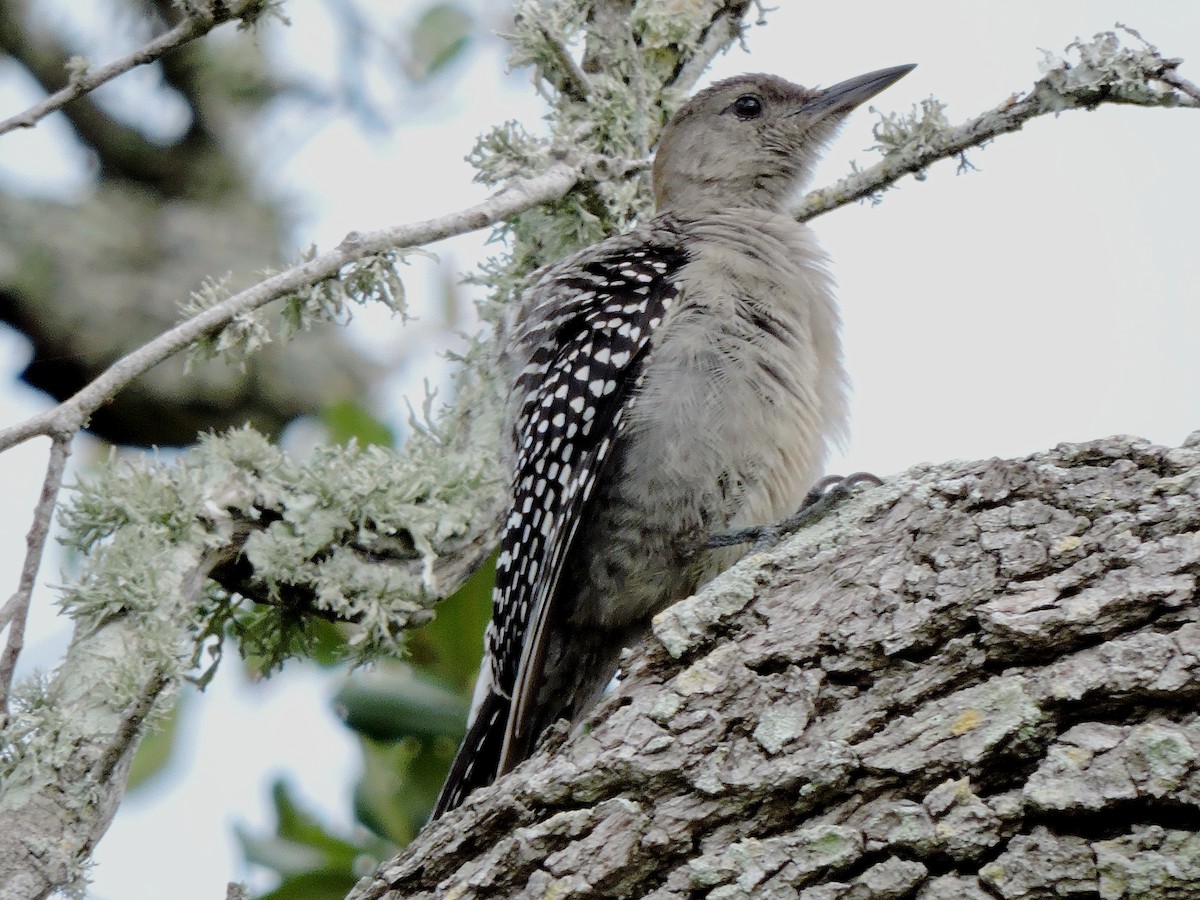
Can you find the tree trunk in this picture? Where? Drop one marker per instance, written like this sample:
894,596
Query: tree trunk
978,681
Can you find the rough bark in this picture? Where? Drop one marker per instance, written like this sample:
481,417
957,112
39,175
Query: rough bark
978,681
48,826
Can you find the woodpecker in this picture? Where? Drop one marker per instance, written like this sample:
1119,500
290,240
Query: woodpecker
669,384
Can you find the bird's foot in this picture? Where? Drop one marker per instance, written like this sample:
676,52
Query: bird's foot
825,494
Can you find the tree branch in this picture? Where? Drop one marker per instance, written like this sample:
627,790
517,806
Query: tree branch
979,674
569,80
200,20
15,611
1174,79
1105,73
516,196
376,536
60,794
726,27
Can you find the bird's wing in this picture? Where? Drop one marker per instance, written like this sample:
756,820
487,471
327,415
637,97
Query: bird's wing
571,418
588,323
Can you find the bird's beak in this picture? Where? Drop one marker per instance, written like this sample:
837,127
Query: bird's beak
844,96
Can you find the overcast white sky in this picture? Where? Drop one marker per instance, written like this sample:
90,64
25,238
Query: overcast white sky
1049,296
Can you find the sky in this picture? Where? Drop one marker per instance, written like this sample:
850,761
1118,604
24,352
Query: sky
1048,295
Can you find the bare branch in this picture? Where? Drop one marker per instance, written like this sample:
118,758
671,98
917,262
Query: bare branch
199,22
516,196
15,611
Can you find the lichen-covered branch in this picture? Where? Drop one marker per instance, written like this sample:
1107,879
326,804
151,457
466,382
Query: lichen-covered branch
1099,72
979,680
725,27
59,795
353,531
516,196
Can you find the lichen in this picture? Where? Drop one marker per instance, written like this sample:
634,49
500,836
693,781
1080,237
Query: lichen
371,279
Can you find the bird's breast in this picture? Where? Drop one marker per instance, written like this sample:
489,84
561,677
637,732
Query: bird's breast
742,393
744,388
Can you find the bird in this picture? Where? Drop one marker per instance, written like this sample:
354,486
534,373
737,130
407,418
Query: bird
669,384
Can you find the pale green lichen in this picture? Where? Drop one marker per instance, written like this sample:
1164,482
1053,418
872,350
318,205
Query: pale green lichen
918,130
32,710
507,151
675,24
1104,69
781,723
744,864
1149,863
372,279
618,120
536,24
143,524
78,68
665,29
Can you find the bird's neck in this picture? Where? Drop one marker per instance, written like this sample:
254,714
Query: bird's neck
742,224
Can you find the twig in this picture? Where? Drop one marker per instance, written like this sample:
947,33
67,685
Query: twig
572,81
16,610
130,729
726,25
194,25
1174,79
517,195
1051,94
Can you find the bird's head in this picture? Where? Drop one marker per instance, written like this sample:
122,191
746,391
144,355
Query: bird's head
753,140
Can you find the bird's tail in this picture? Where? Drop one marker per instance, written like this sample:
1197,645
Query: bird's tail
478,755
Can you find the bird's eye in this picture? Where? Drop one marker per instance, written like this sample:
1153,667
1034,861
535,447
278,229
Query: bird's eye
747,106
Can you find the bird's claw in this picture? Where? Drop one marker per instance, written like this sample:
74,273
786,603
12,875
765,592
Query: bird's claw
824,495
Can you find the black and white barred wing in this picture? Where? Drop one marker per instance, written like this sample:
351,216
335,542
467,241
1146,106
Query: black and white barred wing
578,387
585,334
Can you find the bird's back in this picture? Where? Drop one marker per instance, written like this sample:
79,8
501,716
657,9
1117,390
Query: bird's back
668,384
726,424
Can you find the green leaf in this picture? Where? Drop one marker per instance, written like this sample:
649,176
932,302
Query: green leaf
312,862
441,33
285,857
392,703
326,884
400,784
348,420
426,773
451,646
328,647
156,748
383,797
301,827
